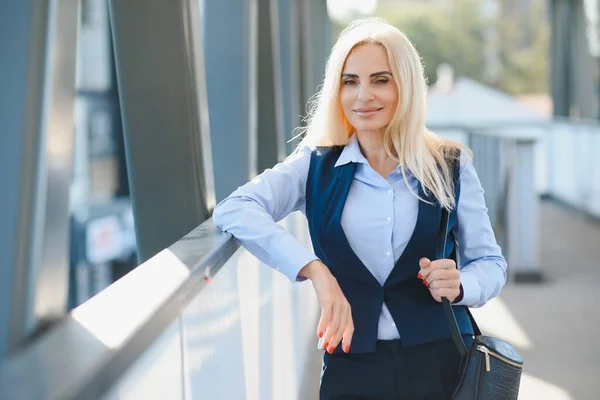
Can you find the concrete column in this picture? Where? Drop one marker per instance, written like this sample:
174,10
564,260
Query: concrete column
160,69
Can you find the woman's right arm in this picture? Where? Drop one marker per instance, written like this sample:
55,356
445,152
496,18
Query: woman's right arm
252,211
251,214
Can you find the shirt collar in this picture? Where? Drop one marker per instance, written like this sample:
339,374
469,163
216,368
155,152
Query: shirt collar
351,153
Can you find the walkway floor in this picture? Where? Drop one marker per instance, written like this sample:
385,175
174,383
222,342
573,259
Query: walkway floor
560,318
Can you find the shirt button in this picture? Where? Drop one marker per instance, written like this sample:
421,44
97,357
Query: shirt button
388,253
390,191
393,324
389,219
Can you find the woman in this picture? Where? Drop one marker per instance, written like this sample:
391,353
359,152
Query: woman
371,180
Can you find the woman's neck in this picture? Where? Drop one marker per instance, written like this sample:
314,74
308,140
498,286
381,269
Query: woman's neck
371,145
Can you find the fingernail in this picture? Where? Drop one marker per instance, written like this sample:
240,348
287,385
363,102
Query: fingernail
330,350
425,282
320,335
419,276
347,349
326,345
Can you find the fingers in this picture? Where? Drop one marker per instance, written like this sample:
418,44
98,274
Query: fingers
326,314
442,278
340,328
336,323
427,267
332,329
347,337
338,331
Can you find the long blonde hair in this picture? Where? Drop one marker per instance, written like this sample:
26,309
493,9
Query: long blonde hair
406,139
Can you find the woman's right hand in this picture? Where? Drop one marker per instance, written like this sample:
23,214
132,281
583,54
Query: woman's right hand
336,316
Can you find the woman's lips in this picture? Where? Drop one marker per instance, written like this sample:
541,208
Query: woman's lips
367,111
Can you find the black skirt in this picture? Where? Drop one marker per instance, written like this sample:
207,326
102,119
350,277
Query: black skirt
426,372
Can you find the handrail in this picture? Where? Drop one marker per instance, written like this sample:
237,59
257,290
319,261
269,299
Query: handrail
508,123
86,352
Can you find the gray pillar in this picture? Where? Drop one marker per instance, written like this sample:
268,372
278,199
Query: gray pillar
582,65
315,44
37,77
160,69
230,47
271,146
572,65
559,83
289,48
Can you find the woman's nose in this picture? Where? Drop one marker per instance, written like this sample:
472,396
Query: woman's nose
365,93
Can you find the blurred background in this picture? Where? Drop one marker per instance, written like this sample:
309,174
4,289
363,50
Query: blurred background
122,124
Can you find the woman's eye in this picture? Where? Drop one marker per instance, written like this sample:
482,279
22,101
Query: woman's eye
349,82
382,81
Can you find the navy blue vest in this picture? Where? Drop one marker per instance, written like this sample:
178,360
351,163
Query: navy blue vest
418,317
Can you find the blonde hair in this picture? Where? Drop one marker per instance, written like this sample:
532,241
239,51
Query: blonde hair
406,139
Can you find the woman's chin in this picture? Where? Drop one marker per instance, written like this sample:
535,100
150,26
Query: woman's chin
369,127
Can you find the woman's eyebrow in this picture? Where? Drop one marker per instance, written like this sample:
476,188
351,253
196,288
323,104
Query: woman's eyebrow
372,75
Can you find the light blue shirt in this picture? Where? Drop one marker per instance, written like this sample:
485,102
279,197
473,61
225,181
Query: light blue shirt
379,218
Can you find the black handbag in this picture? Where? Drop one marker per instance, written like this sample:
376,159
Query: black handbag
491,369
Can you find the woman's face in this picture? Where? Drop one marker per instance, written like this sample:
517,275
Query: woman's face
368,93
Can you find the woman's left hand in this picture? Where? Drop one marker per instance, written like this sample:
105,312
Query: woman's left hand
441,277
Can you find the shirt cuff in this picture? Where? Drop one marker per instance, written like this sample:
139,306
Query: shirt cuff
470,289
289,257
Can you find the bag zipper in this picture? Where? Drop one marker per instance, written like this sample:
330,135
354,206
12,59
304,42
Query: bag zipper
489,353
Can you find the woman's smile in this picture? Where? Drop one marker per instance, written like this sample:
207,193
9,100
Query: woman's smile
367,112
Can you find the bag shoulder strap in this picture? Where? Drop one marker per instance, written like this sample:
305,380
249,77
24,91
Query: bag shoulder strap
454,163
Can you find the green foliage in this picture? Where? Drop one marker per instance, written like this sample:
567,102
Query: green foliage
456,34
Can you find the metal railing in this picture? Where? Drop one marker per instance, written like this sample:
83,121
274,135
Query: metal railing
504,158
87,352
520,161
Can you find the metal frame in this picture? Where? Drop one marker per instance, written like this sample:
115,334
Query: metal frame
38,50
165,118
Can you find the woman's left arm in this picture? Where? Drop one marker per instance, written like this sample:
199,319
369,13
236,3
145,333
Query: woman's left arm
482,265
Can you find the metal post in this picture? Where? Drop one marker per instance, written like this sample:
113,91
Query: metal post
271,146
160,69
315,44
559,56
290,71
230,47
582,65
37,77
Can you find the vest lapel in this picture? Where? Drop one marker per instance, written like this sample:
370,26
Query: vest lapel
345,256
